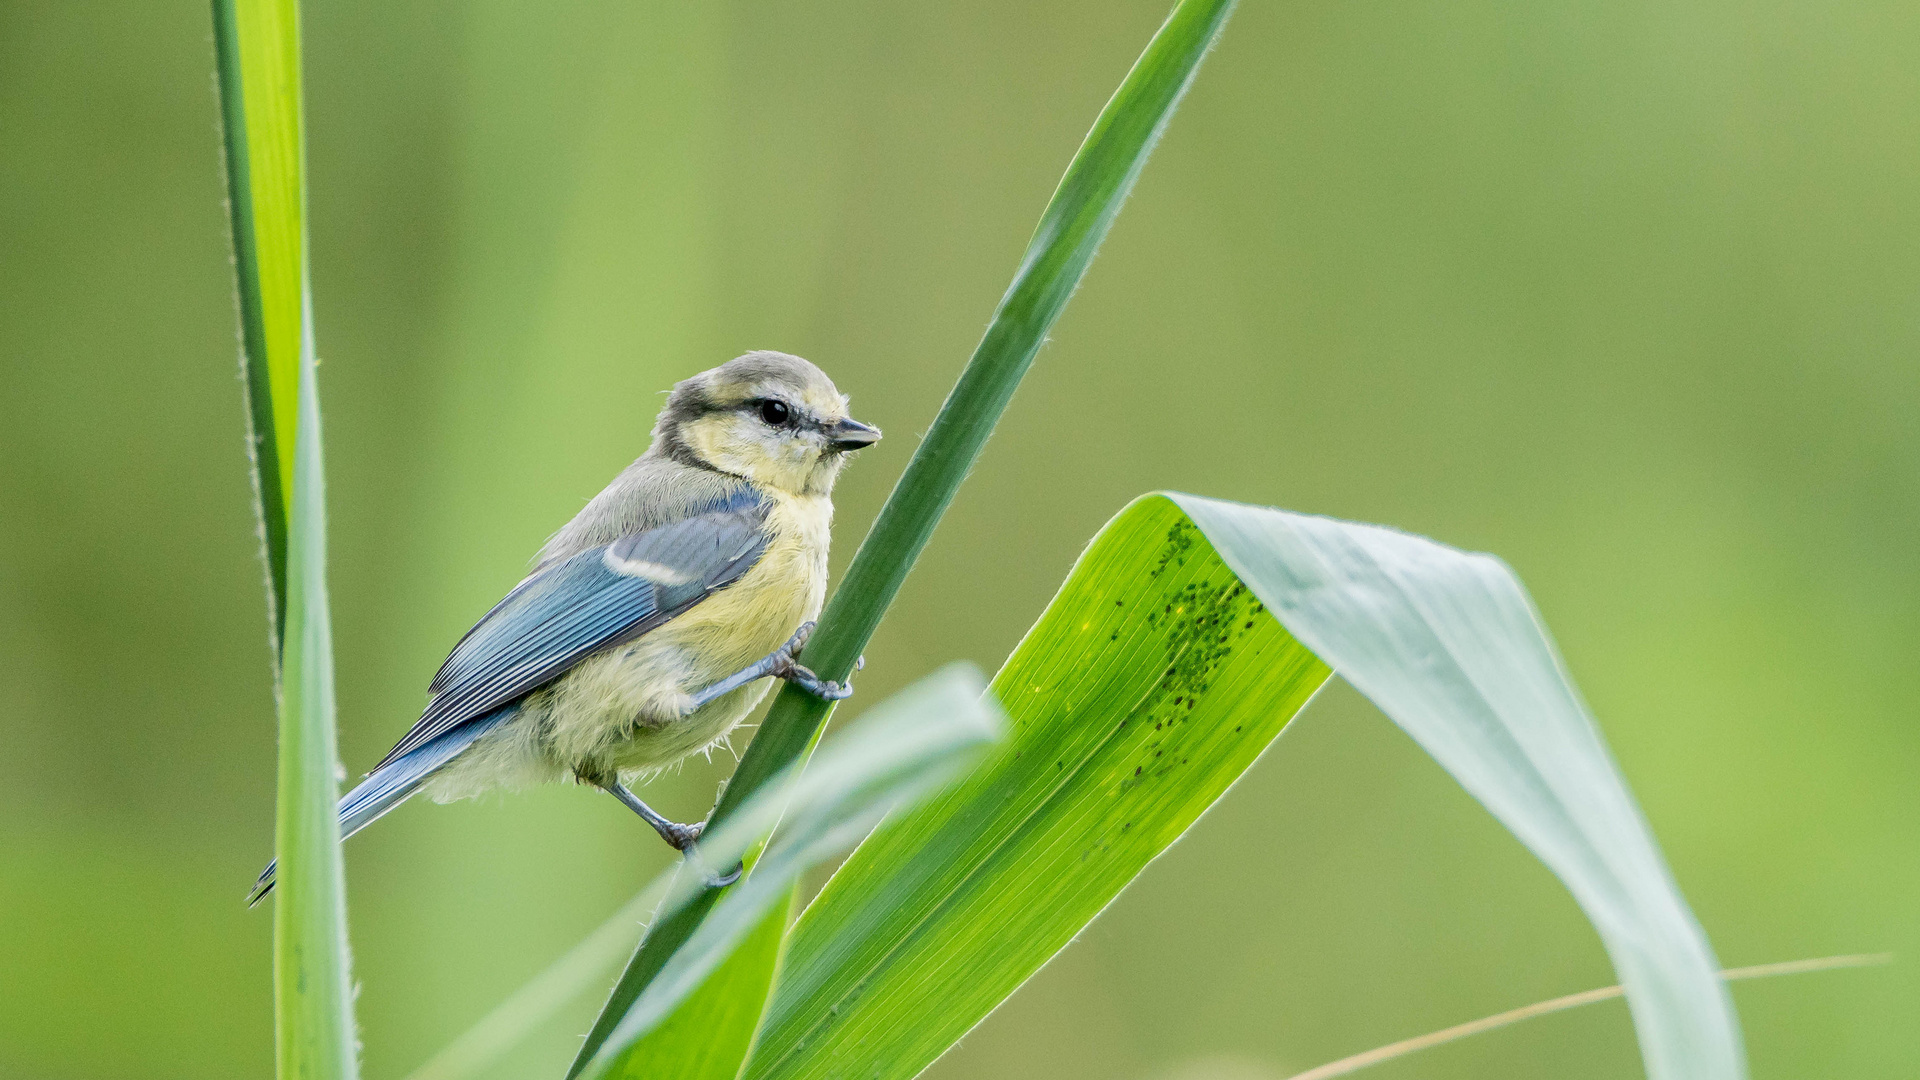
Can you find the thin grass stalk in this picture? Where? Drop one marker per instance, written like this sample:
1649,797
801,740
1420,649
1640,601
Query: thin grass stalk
1382,1054
1063,245
257,56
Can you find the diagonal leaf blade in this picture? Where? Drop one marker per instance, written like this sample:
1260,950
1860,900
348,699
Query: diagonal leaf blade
1071,229
1157,675
705,1038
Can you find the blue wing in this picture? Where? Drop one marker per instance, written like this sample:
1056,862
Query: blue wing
602,597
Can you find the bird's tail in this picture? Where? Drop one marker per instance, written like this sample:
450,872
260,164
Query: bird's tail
391,784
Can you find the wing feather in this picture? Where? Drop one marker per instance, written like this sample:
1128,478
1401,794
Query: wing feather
599,598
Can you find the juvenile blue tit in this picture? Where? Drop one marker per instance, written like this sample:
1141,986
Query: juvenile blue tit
651,622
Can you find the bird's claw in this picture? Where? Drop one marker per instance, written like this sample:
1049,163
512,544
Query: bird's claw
693,856
798,674
829,690
805,679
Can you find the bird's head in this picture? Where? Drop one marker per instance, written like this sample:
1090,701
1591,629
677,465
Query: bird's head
768,417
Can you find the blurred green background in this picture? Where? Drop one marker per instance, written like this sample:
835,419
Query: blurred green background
1626,292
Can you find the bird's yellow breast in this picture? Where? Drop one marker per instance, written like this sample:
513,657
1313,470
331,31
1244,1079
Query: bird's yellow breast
745,621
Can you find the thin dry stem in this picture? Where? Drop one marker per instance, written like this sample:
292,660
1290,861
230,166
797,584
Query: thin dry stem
1404,1047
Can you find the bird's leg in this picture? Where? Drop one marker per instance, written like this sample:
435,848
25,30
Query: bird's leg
780,664
679,836
674,833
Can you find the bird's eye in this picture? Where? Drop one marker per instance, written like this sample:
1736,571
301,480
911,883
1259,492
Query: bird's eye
775,413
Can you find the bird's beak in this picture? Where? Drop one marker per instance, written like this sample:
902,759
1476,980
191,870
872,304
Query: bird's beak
851,434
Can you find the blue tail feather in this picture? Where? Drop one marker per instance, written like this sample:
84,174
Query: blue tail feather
391,784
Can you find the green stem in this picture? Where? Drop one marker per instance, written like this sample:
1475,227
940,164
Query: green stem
1063,245
257,54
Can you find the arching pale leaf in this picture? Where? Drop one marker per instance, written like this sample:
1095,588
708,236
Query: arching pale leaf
1448,645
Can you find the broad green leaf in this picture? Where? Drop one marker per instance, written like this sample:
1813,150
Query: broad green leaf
1157,675
258,57
1075,221
1448,645
698,1019
1152,681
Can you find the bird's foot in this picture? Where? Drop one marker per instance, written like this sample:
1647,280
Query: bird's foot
780,664
681,837
691,833
785,667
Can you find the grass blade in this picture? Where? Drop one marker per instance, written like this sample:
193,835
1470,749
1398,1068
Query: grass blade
1070,231
257,49
1448,645
1185,638
541,997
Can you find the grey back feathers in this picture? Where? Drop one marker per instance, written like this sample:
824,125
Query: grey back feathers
650,493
